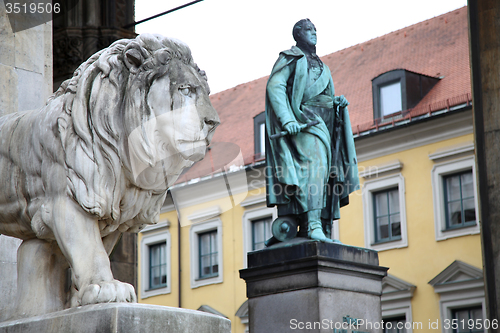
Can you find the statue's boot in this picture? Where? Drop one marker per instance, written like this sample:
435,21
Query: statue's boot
315,227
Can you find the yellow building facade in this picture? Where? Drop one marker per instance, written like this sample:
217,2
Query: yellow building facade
417,205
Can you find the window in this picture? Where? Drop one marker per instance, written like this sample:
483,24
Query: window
261,231
390,98
384,209
459,204
387,218
394,325
206,252
396,305
208,258
158,265
460,287
154,265
399,90
255,234
454,197
259,127
468,319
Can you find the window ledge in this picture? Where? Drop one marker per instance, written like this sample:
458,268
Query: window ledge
207,278
471,225
386,241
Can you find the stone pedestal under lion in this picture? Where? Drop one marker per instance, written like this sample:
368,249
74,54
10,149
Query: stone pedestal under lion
95,162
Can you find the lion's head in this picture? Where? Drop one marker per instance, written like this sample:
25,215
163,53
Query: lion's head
141,114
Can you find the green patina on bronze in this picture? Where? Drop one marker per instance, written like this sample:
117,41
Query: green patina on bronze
312,164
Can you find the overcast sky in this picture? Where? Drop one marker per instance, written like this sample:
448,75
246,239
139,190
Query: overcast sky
236,41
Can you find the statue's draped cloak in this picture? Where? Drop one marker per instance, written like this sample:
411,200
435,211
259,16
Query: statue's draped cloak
302,164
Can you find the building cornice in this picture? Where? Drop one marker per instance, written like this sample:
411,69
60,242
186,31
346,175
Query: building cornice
415,134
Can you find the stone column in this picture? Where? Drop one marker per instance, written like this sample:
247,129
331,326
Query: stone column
308,286
25,84
484,33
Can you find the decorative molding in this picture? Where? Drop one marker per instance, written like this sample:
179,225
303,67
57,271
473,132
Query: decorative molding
455,276
453,151
382,169
253,200
205,214
441,128
155,227
459,285
396,289
242,313
209,309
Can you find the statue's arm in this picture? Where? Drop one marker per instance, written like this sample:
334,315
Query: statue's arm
278,98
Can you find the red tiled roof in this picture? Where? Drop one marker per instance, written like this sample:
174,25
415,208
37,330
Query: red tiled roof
437,47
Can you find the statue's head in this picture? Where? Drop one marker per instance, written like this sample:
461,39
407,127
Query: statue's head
304,31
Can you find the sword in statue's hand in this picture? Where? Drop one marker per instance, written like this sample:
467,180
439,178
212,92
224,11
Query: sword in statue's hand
302,127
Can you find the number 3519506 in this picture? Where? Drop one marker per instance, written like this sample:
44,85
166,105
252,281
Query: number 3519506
32,8
470,324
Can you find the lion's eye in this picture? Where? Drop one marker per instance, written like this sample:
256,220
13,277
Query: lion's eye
186,91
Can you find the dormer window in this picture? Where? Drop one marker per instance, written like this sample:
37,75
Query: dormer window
399,90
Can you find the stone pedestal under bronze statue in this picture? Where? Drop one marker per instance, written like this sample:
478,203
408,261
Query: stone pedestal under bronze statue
310,286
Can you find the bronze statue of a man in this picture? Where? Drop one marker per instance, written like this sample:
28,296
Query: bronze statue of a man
310,154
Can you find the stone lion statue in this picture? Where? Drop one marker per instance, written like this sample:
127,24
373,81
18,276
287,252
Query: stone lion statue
95,162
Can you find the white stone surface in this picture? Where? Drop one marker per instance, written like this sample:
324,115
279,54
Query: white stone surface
121,318
30,98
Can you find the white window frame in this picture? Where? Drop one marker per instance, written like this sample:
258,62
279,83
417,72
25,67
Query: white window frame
448,305
194,232
249,216
396,300
460,285
153,235
369,188
439,171
399,309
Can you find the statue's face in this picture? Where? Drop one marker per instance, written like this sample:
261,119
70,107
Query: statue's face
308,34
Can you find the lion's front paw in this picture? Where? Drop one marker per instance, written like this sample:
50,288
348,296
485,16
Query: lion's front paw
104,292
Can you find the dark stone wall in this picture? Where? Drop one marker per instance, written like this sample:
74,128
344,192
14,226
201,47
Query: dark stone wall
86,28
484,32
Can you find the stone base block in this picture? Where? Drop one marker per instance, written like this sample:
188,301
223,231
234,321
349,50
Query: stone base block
120,318
307,286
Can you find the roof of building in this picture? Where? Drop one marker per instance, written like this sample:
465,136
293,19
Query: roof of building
437,47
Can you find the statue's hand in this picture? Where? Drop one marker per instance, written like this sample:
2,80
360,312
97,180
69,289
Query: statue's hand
341,101
292,128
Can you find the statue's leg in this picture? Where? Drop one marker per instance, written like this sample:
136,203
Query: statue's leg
315,227
327,227
79,238
41,278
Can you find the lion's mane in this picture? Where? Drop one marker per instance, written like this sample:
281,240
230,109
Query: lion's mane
104,101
